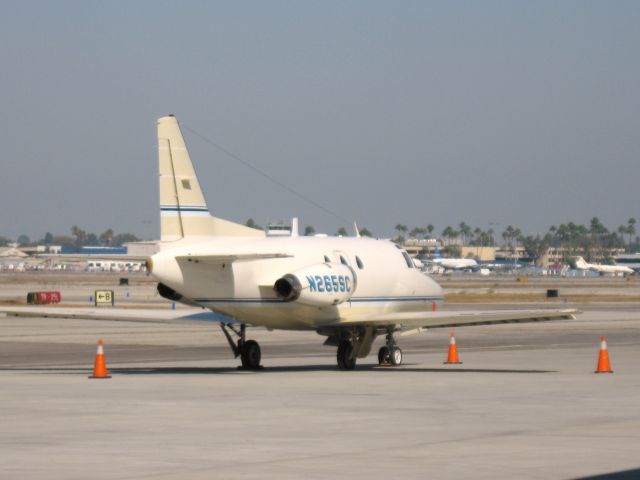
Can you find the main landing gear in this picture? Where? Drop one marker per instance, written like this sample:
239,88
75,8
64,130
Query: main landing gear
390,354
247,350
346,356
356,343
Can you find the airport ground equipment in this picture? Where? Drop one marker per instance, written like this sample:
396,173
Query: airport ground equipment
43,298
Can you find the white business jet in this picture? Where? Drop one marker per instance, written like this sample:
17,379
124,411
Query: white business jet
581,264
348,289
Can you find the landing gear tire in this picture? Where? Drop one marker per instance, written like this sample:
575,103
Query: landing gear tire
346,361
395,355
384,357
250,355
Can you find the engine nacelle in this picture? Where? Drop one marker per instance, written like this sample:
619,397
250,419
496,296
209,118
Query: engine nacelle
320,285
168,293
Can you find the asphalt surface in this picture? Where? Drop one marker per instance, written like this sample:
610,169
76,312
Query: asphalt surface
524,404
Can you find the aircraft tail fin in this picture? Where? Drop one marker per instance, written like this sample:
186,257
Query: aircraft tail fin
183,209
581,264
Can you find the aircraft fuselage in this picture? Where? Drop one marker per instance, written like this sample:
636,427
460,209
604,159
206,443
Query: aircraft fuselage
384,279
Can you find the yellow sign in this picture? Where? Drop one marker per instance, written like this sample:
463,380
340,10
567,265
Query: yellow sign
104,297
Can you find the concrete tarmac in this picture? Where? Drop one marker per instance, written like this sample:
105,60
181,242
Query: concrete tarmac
525,404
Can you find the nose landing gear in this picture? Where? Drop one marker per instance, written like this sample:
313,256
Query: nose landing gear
248,350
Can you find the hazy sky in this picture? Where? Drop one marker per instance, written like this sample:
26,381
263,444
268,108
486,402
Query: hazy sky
415,112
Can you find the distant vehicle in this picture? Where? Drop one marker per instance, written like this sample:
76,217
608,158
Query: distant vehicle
581,264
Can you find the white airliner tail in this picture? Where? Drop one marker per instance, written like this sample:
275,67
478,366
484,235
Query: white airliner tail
183,209
581,264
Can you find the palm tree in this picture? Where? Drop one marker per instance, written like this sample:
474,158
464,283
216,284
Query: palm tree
402,229
631,228
449,233
465,231
106,237
430,229
417,232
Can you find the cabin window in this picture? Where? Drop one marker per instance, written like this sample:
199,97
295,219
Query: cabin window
408,260
359,263
343,260
326,259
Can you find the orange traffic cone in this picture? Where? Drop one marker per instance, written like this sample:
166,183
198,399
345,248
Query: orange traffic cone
452,358
100,365
604,365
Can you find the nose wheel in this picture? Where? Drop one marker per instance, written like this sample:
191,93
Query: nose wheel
250,355
248,350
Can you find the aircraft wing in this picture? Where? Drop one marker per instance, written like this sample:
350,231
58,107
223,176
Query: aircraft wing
150,315
231,257
85,257
450,319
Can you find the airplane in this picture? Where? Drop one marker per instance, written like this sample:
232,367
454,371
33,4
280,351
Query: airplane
348,289
454,263
581,264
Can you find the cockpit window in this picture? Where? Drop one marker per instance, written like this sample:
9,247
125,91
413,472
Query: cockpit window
326,259
359,263
408,260
343,260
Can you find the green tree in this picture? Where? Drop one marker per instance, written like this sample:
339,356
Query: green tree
106,237
402,229
449,233
417,232
252,224
631,230
536,247
430,229
80,236
23,240
309,230
124,238
365,233
4,241
48,238
465,231
510,237
342,232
